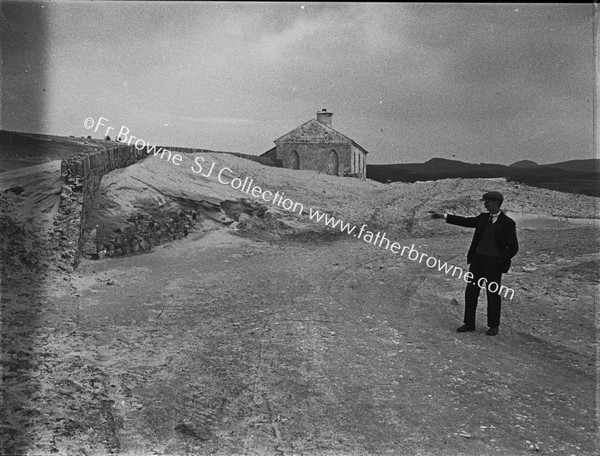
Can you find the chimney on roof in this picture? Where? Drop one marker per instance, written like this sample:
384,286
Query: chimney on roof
324,117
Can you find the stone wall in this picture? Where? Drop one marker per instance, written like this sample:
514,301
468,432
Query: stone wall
82,175
262,159
101,162
140,233
71,216
272,154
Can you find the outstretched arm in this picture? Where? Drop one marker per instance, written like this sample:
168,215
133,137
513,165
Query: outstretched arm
469,222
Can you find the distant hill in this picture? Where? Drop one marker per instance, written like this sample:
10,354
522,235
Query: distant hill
574,176
583,166
524,164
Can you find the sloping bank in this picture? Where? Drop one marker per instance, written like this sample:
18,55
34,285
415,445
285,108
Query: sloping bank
149,215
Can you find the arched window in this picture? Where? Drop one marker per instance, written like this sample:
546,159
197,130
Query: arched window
333,163
295,160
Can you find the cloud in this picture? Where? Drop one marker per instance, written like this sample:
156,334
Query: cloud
219,121
402,79
275,46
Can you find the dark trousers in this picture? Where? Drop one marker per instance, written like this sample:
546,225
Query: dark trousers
491,270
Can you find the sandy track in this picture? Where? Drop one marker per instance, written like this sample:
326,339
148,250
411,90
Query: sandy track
223,345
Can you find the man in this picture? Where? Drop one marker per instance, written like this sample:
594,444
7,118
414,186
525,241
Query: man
493,246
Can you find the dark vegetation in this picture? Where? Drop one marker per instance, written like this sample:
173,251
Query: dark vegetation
575,176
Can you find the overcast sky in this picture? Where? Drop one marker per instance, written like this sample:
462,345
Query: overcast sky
408,82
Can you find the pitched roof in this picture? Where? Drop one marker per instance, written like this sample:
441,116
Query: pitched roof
314,131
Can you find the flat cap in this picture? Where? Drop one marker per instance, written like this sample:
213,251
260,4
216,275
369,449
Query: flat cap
494,196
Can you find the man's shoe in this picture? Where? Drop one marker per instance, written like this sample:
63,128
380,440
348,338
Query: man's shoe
492,332
465,328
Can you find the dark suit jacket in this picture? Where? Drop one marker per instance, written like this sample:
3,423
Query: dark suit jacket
505,232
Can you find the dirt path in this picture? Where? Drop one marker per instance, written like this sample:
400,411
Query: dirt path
223,345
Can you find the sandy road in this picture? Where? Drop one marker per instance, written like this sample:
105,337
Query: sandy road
223,345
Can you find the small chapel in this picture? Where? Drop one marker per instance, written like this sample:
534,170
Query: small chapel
316,146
